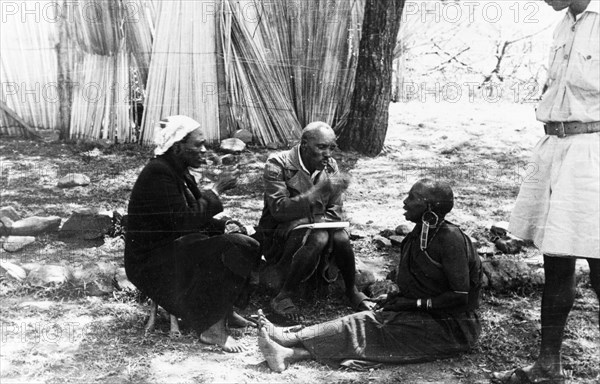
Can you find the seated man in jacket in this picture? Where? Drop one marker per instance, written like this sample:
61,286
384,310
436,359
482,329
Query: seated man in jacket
303,185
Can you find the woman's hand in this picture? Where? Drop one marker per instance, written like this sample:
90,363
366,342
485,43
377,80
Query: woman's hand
396,303
227,180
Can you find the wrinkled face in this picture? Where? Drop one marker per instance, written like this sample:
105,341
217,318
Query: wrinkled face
559,5
416,203
192,150
318,149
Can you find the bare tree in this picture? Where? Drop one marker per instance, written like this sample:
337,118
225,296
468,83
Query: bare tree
366,126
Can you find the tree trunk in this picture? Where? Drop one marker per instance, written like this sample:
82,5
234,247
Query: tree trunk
64,77
366,126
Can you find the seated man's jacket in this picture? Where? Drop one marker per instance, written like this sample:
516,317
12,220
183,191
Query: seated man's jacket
286,203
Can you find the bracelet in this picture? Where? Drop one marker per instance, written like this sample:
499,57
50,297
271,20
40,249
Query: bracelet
419,303
428,304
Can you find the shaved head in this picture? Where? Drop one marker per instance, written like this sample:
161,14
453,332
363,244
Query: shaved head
315,129
438,194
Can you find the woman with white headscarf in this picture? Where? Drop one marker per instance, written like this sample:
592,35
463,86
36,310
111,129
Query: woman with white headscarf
175,251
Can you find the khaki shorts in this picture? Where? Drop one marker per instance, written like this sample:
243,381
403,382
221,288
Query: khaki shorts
558,206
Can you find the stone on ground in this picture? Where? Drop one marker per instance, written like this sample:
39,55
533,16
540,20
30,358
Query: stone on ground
86,224
232,145
73,180
356,234
46,275
381,242
12,270
35,225
244,135
403,230
228,159
10,213
499,229
365,275
16,243
506,274
396,240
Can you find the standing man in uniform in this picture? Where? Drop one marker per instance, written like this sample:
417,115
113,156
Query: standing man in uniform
559,206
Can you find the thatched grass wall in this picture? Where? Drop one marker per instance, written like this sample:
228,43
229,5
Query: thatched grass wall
101,107
182,79
288,63
266,66
28,70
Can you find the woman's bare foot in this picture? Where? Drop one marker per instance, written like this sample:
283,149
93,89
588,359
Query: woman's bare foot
234,320
277,356
217,335
284,336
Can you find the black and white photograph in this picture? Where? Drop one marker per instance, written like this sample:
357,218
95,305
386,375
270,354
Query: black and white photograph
300,191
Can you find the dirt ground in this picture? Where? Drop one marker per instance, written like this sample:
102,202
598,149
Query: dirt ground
58,335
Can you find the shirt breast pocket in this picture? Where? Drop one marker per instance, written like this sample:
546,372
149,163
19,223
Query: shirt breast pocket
585,71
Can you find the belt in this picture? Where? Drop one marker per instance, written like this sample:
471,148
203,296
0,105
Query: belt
562,129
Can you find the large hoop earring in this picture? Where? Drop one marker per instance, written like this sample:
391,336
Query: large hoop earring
426,225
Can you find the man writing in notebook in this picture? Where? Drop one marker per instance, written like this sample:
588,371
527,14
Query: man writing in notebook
303,185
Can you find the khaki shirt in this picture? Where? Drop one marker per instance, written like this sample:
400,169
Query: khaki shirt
573,92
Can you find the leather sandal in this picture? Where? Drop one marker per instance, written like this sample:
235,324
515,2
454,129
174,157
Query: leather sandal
286,309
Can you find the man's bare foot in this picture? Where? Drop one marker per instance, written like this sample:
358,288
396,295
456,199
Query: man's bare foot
234,320
276,355
531,374
284,336
217,335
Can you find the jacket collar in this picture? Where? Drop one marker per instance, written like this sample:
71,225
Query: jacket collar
292,161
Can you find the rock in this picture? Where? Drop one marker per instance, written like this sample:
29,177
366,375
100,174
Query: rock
509,245
97,279
475,242
499,229
387,233
99,287
506,274
273,146
45,275
35,225
16,243
356,234
122,282
365,275
12,270
403,230
232,145
364,279
382,287
73,180
244,135
487,250
9,212
228,159
396,240
5,226
86,224
382,242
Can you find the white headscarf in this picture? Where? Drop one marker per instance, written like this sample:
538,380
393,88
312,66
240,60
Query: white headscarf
175,129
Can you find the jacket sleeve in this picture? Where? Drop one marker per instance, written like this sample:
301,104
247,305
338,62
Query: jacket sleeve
277,197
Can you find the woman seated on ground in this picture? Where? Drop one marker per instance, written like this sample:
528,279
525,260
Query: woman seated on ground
433,315
169,255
